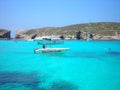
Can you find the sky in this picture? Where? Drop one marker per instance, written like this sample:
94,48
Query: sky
30,14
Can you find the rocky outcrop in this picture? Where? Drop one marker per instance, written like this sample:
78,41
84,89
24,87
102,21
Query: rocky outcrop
115,36
21,34
97,37
4,34
78,35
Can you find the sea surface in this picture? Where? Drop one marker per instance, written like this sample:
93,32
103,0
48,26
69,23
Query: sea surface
87,65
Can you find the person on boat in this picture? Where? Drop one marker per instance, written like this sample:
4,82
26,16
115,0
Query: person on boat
43,46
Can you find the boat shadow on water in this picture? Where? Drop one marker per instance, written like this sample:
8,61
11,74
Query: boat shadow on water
74,55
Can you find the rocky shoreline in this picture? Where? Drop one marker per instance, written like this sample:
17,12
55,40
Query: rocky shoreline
5,34
99,31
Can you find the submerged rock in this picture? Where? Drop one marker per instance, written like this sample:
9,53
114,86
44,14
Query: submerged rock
28,80
63,85
113,53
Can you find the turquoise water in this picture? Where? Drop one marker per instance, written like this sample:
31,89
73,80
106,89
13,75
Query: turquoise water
93,65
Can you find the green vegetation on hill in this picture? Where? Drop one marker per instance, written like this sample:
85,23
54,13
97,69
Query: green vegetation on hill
96,28
103,28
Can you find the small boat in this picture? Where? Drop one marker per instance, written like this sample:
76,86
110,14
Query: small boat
50,40
49,50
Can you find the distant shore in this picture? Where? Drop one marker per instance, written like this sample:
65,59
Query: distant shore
99,31
64,39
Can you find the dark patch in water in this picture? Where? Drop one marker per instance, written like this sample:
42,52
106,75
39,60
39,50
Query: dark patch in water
82,55
113,53
14,79
29,80
63,85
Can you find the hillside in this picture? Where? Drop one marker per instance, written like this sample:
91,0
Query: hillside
99,30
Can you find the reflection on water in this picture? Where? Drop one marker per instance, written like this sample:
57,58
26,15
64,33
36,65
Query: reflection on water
75,54
78,54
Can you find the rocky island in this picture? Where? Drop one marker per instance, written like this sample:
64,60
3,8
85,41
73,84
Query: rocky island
5,34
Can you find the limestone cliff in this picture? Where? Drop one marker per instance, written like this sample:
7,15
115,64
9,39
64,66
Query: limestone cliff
4,34
101,30
21,34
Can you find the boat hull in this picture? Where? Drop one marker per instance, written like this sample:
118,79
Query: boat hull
50,50
47,42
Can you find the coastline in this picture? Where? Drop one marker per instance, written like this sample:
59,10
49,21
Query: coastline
14,39
98,30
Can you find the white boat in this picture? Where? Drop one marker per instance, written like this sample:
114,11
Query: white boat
47,42
49,50
50,40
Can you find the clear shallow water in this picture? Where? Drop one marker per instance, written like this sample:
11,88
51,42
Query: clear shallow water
91,65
